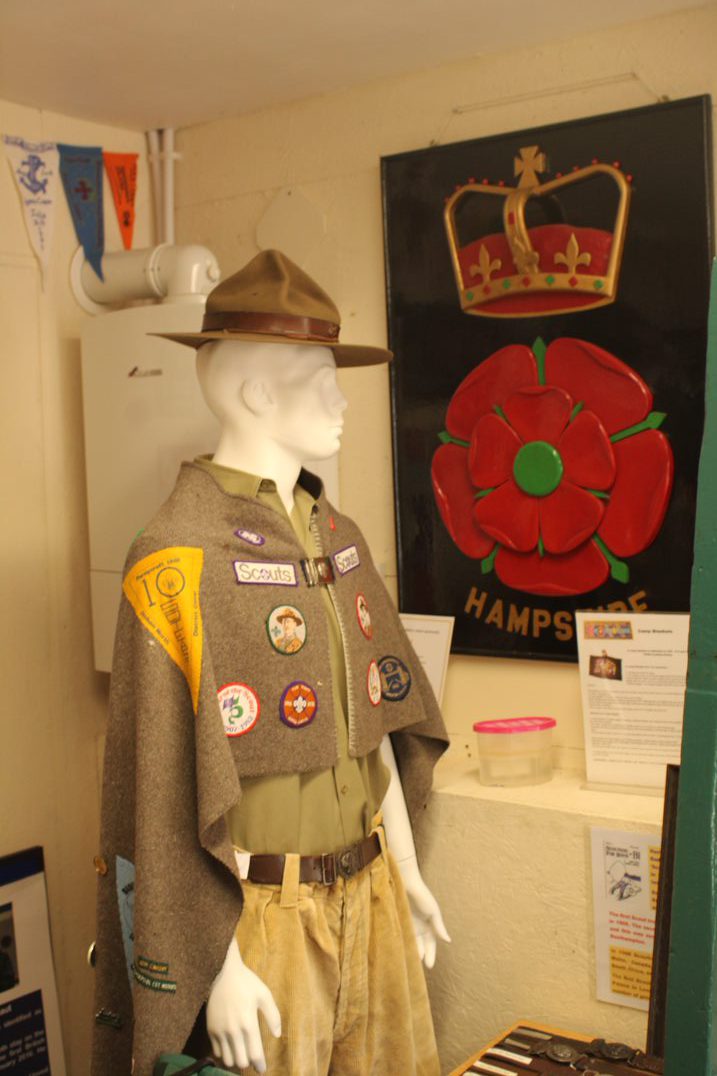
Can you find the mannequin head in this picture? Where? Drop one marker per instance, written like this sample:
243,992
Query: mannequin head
278,405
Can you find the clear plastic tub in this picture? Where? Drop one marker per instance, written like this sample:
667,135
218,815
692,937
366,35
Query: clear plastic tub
515,750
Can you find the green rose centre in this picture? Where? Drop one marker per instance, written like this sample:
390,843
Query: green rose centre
538,468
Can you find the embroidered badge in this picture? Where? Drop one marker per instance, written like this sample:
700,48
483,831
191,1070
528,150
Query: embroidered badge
124,878
317,571
250,537
152,974
109,1019
346,559
395,678
240,707
298,705
163,590
281,573
363,616
373,684
286,629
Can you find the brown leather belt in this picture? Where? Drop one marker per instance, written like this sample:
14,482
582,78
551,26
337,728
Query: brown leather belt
325,869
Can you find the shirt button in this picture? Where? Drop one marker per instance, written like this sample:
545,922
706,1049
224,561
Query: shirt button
344,789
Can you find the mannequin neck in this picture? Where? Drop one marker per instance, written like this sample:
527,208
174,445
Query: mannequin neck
244,450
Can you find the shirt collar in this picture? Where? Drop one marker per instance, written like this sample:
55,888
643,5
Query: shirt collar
244,484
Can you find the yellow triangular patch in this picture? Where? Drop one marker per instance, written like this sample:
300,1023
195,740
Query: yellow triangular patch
164,592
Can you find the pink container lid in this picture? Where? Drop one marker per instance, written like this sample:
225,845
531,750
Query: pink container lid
509,725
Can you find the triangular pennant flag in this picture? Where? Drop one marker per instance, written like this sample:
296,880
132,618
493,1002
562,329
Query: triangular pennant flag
81,171
35,168
121,171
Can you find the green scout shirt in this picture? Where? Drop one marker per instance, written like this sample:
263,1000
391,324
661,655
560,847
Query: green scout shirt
323,810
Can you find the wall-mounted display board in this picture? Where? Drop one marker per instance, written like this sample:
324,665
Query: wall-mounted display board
547,302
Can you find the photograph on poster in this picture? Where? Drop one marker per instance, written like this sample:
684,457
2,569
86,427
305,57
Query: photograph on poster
8,950
547,299
30,1031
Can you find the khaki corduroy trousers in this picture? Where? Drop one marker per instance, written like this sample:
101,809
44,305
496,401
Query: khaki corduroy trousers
342,964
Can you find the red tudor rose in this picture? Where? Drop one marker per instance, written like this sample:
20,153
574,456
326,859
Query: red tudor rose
552,466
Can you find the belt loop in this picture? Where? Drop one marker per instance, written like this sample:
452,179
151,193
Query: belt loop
378,829
290,881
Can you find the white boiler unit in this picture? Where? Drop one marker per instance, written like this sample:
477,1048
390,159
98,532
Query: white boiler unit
144,414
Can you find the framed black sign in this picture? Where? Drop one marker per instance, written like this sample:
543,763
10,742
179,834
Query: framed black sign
547,303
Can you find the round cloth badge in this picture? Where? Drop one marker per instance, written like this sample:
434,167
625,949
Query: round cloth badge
363,615
286,629
239,705
395,678
373,684
298,705
250,537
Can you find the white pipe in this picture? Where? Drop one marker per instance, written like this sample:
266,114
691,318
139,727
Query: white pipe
154,164
168,185
173,274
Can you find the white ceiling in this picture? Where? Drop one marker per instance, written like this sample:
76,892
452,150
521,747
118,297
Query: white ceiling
173,63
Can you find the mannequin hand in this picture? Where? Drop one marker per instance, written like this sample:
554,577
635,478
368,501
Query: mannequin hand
236,998
428,922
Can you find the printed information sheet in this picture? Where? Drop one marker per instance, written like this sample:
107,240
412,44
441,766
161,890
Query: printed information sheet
626,870
30,1033
633,672
431,639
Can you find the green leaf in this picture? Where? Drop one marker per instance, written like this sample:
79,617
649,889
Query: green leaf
482,493
576,410
447,439
653,422
539,350
618,569
486,565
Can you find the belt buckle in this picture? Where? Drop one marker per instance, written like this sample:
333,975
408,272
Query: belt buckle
328,877
347,862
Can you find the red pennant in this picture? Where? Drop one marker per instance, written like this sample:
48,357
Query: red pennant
121,171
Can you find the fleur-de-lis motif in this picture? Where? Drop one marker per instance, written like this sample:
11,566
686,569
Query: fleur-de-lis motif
485,267
572,257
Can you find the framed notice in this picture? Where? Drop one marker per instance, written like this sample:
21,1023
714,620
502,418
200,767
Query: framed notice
633,677
547,303
626,872
30,1032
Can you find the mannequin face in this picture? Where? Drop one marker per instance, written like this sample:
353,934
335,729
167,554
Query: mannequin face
306,416
287,393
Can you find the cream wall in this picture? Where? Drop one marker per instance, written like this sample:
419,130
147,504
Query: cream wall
53,704
305,177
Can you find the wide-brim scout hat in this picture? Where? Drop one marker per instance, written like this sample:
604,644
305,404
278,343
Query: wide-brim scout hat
289,614
272,300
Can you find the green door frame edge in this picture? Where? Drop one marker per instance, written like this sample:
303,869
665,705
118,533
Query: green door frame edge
691,1028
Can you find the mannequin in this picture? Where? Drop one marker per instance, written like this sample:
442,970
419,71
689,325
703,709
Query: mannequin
272,737
280,405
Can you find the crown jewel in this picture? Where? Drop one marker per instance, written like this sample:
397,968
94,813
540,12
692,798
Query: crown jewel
537,268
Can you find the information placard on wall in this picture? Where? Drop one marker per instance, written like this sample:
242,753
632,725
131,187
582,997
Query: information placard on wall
30,1031
626,870
633,673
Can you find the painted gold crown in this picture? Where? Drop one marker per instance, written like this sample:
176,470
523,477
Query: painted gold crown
536,268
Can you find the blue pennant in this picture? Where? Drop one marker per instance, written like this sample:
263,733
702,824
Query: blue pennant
81,171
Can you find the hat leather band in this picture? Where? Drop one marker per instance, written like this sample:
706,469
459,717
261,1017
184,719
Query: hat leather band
291,325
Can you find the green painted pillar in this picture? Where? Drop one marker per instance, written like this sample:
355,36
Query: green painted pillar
691,1027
